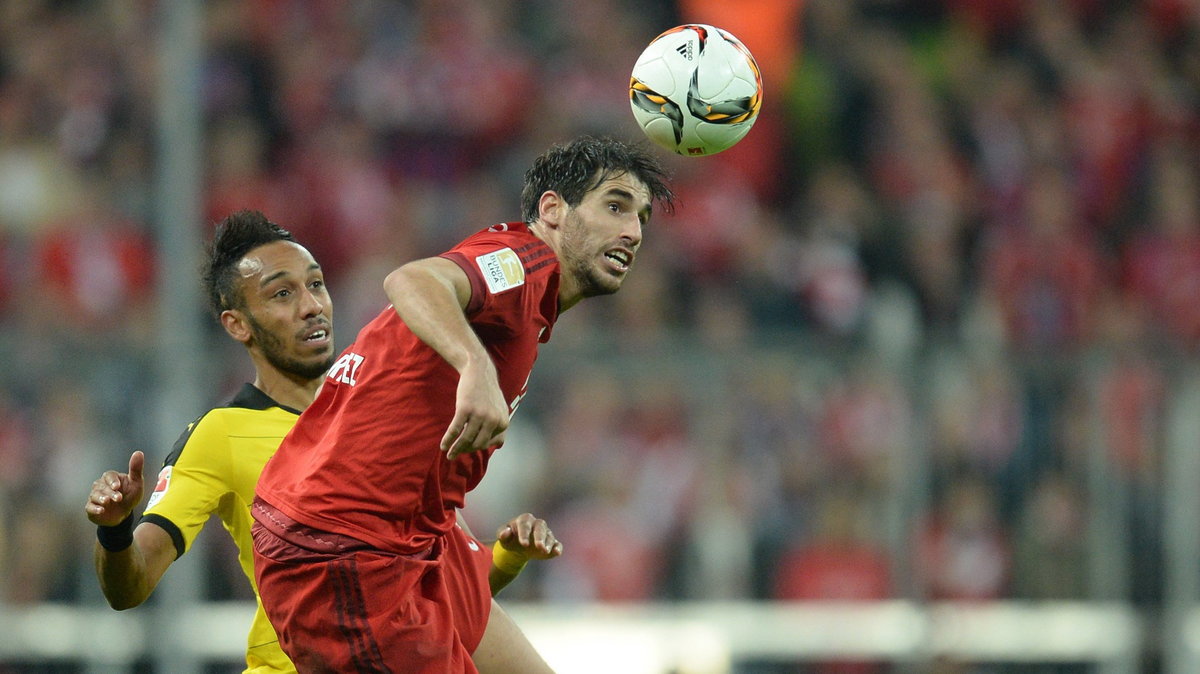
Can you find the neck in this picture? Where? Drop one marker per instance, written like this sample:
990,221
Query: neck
288,390
568,285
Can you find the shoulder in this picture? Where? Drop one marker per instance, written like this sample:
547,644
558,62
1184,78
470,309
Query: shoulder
502,254
504,257
514,235
249,397
249,411
200,436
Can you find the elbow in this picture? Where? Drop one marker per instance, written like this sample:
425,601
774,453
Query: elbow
392,278
394,283
123,603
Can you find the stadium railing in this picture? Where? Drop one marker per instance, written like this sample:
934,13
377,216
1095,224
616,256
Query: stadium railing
688,638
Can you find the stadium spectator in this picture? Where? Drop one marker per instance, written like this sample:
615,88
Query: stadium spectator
1022,173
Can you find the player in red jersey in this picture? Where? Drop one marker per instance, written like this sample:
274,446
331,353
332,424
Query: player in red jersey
356,548
268,293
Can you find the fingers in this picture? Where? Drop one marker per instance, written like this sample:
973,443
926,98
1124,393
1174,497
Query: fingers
481,413
137,463
544,540
106,503
103,513
532,535
451,435
100,497
109,487
471,433
114,494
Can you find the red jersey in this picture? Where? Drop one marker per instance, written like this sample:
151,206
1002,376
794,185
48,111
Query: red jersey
364,459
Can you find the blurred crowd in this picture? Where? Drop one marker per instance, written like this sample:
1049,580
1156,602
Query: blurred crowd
902,341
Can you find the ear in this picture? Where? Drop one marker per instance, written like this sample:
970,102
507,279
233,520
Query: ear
235,323
552,209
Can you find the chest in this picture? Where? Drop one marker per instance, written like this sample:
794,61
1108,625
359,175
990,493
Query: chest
251,448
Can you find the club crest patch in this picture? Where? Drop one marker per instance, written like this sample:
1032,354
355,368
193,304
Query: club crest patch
160,489
502,270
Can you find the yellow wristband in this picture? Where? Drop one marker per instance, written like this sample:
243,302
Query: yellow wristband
506,560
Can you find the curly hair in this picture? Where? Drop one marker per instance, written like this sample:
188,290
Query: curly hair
574,169
236,235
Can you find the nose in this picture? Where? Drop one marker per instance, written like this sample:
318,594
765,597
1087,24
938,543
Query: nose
310,304
632,232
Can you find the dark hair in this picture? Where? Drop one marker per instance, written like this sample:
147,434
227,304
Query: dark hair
575,169
236,235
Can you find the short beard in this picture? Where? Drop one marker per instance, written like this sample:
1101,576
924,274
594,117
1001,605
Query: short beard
591,283
272,349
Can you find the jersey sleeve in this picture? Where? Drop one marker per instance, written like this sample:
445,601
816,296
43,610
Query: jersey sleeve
498,265
192,481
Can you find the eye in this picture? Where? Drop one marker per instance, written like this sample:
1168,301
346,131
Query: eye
282,292
317,284
614,207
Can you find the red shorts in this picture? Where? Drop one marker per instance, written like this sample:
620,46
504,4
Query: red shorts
342,606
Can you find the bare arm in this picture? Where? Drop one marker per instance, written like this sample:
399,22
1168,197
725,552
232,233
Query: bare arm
127,577
525,537
430,295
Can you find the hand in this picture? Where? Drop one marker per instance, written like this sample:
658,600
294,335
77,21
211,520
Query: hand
529,536
480,413
115,495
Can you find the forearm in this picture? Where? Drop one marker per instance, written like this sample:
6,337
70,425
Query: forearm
127,577
431,296
431,306
122,575
498,579
525,537
506,566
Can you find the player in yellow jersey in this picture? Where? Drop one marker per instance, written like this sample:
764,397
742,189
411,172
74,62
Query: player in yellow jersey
269,294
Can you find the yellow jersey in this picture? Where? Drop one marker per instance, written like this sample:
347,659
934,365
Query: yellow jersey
213,469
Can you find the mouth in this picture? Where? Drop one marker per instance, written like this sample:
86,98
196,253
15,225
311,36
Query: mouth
317,335
619,258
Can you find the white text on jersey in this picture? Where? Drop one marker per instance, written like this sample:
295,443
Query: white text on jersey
345,370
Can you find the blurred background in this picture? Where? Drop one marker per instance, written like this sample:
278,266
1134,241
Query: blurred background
918,355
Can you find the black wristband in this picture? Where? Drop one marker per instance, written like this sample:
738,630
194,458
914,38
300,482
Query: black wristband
118,537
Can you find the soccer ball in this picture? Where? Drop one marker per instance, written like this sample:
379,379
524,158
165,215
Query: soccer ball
695,90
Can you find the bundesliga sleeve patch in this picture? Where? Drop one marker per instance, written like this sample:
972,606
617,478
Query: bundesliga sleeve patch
160,489
502,270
